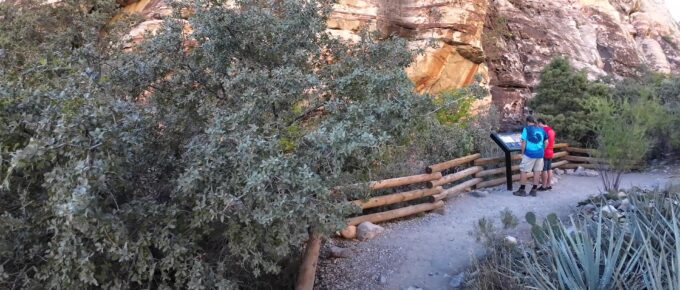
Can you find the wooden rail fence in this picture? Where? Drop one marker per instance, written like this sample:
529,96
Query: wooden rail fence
474,172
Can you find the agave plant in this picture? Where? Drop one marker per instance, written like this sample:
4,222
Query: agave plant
598,255
657,230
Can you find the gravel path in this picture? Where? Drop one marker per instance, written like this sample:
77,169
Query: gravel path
426,251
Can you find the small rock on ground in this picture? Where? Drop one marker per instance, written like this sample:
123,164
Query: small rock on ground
479,193
625,205
457,281
589,208
510,240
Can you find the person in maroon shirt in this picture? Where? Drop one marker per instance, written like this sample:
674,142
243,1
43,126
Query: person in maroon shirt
546,175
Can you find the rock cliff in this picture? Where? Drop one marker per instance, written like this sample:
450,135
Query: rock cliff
506,41
603,37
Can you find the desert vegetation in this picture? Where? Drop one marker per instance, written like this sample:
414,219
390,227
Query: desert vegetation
618,240
628,121
196,160
602,247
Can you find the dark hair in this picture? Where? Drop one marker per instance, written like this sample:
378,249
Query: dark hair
531,119
541,121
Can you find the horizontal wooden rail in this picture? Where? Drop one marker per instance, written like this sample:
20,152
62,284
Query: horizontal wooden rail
456,189
495,171
500,180
560,145
399,181
493,160
558,164
395,213
451,163
397,197
454,177
581,159
310,259
560,154
580,150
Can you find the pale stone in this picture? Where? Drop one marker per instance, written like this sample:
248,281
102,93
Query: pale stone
368,230
349,232
510,240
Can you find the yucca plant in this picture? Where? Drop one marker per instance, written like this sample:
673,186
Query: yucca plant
598,255
657,230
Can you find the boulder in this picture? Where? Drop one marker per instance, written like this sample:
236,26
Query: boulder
558,171
368,230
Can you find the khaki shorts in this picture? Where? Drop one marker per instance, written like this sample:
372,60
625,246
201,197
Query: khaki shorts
531,164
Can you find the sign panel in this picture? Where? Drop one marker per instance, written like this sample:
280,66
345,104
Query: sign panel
511,141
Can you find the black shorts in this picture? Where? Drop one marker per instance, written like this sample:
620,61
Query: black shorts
547,163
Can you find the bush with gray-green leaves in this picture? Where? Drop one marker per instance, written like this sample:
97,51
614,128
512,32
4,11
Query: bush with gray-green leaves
193,161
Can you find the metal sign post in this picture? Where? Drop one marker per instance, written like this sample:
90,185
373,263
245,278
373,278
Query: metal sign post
509,142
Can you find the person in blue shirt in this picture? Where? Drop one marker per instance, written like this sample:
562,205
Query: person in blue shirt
533,142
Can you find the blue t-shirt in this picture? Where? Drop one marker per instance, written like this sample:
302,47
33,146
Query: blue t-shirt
534,137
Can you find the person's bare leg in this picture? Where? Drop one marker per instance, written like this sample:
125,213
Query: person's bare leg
550,173
522,178
545,178
537,178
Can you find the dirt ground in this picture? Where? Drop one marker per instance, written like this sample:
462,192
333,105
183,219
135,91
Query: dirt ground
427,250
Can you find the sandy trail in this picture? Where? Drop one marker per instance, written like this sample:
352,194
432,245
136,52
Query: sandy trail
425,251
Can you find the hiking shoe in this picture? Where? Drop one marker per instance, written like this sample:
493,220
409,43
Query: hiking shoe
548,188
542,188
520,192
532,192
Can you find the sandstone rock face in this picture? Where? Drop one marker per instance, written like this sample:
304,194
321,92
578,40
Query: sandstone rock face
603,37
507,42
448,31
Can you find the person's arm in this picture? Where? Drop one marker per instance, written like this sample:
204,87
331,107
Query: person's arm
522,139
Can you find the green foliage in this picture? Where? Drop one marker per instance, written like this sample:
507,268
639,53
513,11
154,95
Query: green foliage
433,140
508,219
663,90
185,167
594,252
570,103
484,231
559,99
624,132
451,116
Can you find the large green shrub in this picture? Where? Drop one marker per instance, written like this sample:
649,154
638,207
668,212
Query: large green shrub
197,161
559,98
624,135
663,90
